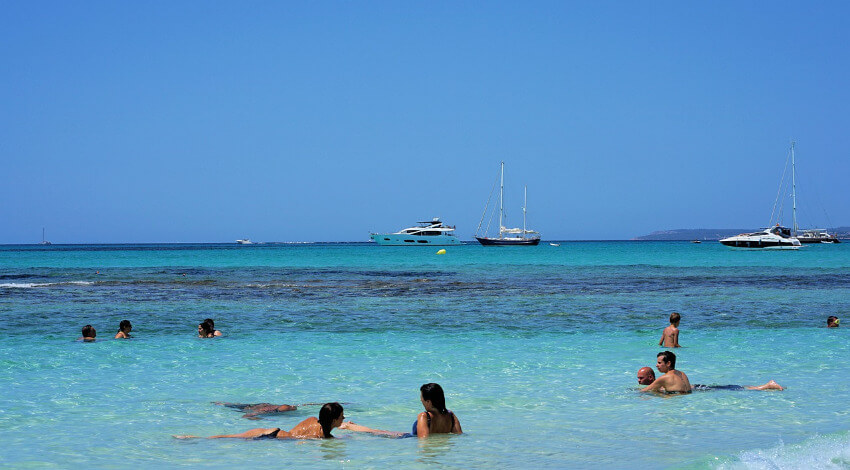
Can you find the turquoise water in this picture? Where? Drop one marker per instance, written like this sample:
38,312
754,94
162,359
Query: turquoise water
537,349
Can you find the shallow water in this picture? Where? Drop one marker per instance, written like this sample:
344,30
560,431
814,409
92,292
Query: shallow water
537,349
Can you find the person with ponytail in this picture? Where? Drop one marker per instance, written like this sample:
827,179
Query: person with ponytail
330,417
436,419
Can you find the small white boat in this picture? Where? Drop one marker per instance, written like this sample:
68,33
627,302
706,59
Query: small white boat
43,241
244,241
554,244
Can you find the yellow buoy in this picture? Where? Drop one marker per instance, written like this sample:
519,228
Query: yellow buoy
441,251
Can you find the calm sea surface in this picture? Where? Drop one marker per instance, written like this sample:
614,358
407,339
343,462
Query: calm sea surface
537,349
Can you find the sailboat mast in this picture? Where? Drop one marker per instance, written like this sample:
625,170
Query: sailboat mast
793,190
524,204
501,197
42,234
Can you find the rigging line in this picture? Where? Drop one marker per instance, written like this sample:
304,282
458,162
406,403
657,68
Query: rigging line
486,206
779,192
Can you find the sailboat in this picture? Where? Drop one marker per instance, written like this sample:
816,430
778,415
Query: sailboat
814,235
508,236
43,241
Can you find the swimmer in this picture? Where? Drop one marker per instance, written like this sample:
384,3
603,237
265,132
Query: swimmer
670,335
673,381
212,327
330,417
89,334
646,376
205,330
252,410
436,419
124,329
832,322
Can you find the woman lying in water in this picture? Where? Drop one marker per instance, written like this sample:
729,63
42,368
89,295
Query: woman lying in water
436,419
330,417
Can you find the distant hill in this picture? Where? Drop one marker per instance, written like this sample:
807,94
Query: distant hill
715,233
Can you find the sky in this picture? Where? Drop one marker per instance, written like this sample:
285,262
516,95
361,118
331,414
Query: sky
208,121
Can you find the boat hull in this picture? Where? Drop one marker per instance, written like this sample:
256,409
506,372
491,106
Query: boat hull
817,240
508,241
760,244
396,239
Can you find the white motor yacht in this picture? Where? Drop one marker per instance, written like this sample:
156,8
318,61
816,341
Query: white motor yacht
433,232
244,241
776,237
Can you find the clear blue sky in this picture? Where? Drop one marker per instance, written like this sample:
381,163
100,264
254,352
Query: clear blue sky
160,121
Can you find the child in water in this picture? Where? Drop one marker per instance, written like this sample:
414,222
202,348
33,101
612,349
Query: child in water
670,335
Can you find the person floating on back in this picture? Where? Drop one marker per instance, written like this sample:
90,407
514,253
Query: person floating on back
330,416
89,334
673,381
832,322
124,329
670,335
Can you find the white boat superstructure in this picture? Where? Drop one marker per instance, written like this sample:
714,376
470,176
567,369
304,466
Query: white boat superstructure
433,232
776,237
817,235
244,241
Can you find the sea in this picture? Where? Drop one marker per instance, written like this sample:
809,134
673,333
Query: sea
537,349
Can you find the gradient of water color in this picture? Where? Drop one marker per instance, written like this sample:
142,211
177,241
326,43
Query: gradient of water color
537,349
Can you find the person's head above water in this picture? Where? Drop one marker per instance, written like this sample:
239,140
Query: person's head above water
205,330
125,326
89,332
330,416
434,393
675,318
211,322
645,376
666,360
832,322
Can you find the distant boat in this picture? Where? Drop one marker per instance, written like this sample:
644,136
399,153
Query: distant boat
817,235
43,241
244,241
508,236
814,235
695,241
554,244
431,232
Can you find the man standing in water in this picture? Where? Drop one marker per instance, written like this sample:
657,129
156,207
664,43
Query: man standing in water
673,381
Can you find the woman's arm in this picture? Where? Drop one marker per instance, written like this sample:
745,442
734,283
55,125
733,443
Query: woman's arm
456,426
350,426
422,428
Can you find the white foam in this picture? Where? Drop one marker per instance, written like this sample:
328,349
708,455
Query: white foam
30,285
821,451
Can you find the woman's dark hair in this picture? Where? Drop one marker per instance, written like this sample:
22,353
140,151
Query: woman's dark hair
668,357
211,322
124,324
434,393
207,328
88,332
327,415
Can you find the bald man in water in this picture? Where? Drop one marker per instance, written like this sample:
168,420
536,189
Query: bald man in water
646,376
